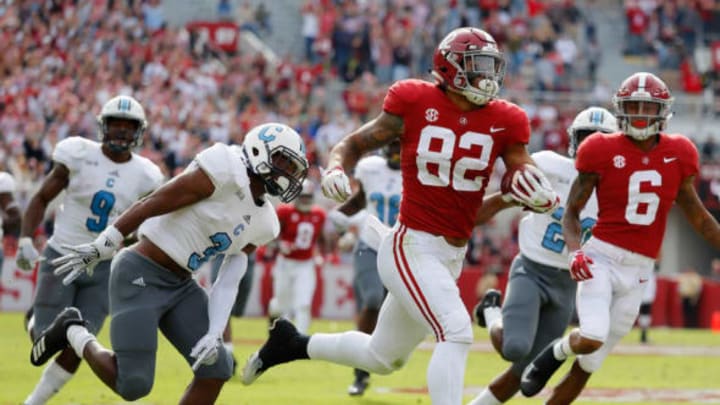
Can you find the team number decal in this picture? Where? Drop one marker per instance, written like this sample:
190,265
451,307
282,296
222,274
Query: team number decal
636,199
387,207
436,168
304,235
220,242
101,206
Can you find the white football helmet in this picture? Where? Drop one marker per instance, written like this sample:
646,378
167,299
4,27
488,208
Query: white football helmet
305,200
588,121
276,153
123,107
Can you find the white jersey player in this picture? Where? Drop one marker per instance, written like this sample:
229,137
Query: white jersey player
11,216
217,205
540,295
100,180
379,190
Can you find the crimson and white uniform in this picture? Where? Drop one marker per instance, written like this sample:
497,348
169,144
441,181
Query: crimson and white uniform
294,271
627,237
447,157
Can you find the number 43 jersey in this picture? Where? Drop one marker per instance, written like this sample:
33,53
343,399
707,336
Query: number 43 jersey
98,189
225,222
447,155
540,235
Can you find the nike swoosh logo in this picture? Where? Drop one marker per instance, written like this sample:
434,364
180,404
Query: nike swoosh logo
493,130
669,159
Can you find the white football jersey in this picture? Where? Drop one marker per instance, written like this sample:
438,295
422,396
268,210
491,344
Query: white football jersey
225,222
540,235
7,185
98,189
382,186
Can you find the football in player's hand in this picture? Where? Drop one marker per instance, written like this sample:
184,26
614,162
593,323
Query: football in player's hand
527,185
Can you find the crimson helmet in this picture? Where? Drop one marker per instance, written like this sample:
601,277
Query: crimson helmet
642,105
463,56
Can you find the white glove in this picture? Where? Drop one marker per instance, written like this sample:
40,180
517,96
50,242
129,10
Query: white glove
532,189
205,350
26,255
335,184
85,257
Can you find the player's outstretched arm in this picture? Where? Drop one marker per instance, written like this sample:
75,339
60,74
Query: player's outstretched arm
697,215
371,136
183,190
580,192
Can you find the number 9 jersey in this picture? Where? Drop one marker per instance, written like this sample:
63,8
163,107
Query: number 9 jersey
448,154
98,189
636,189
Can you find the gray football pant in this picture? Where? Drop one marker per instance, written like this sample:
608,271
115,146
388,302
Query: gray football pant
538,304
367,286
145,297
89,294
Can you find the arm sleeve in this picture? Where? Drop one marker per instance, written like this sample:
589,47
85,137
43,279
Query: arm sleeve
70,151
216,163
224,291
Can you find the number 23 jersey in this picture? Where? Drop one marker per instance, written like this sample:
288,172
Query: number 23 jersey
98,189
448,155
636,189
225,222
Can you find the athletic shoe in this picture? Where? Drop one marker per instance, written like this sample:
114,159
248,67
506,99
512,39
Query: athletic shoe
490,299
54,339
537,373
362,380
284,344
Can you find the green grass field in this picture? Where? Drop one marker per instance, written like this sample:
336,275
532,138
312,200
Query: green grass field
652,377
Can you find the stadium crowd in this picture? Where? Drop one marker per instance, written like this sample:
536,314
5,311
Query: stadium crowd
67,57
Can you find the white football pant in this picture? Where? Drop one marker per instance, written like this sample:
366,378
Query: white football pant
293,289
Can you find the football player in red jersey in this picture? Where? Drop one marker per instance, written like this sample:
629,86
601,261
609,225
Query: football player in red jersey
637,175
451,132
294,282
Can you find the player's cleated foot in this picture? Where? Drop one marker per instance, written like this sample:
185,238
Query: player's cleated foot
53,339
537,373
285,344
362,380
490,299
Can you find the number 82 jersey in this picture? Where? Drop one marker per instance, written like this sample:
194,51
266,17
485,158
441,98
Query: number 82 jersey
447,154
98,189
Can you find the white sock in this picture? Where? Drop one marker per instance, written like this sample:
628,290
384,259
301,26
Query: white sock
302,320
78,336
562,349
350,348
644,321
446,372
52,379
486,397
493,315
229,347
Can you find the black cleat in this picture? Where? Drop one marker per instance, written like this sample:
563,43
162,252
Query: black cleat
285,344
537,373
53,339
362,380
490,299
29,322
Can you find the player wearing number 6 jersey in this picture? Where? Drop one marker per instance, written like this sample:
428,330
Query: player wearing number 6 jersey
637,174
540,293
451,132
100,180
217,205
301,225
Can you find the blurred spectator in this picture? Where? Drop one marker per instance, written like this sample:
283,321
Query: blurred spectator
225,10
153,15
310,29
715,270
689,284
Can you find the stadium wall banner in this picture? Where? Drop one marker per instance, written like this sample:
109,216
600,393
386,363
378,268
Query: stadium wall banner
223,34
334,298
